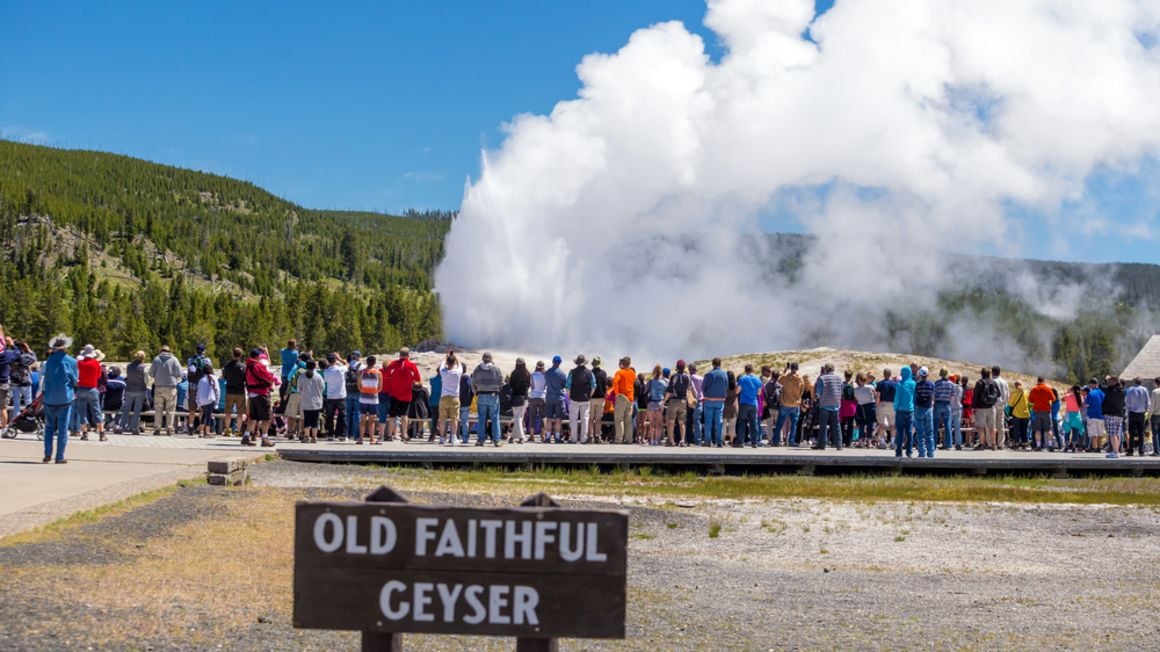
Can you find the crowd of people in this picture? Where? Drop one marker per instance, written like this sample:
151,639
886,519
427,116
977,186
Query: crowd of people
349,397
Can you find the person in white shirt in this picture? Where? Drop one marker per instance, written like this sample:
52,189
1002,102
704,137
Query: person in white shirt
334,407
1000,407
450,375
207,400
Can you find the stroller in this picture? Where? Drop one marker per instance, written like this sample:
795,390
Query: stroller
30,420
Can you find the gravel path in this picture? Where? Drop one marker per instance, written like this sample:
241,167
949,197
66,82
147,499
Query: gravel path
781,574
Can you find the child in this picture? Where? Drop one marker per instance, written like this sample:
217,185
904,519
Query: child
207,400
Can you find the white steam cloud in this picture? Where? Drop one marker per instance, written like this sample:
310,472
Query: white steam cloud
628,218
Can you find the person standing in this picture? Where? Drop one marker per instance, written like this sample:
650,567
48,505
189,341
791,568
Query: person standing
22,369
984,398
334,406
1040,398
624,389
521,385
676,405
87,398
580,383
865,415
555,390
487,380
1155,403
370,389
194,369
696,428
944,399
885,410
828,389
1000,406
903,412
771,397
1138,403
748,387
791,405
596,403
353,395
1020,414
259,382
714,387
1094,408
451,374
536,404
136,389
957,413
288,358
400,377
60,377
9,360
166,374
311,388
234,373
924,414
1114,412
206,397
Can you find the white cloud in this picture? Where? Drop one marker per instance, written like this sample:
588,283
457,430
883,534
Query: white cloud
626,217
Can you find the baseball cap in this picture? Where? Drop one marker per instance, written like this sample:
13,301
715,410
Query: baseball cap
557,359
200,348
923,371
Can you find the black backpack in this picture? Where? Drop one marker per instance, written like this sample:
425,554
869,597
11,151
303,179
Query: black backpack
351,379
679,386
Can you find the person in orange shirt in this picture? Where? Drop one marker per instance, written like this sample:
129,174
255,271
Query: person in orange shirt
1041,398
622,387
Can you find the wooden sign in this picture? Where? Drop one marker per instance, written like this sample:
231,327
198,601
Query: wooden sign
529,572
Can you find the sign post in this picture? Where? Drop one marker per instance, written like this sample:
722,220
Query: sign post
385,567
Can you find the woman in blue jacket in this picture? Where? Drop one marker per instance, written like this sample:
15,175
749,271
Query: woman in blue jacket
60,377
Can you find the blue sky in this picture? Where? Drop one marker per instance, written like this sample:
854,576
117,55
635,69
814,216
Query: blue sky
383,106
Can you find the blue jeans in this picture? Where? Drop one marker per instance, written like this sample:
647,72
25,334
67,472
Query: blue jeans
924,431
942,419
352,417
791,414
698,430
86,409
957,426
829,428
56,418
131,411
21,397
464,417
488,405
712,411
747,425
902,423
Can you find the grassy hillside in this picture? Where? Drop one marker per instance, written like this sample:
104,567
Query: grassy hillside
127,253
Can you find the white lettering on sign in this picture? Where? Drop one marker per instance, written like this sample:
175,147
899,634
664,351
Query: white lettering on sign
517,539
505,604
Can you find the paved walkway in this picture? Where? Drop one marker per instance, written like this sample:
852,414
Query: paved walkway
35,494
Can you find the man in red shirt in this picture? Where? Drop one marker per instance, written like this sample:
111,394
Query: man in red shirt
1040,399
87,402
259,381
398,379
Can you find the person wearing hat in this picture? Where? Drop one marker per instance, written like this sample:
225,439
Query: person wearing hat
487,380
86,411
60,377
580,384
596,403
924,414
536,404
194,371
555,391
166,374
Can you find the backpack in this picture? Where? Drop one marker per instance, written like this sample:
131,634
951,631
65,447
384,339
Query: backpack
197,369
22,369
991,392
351,378
680,386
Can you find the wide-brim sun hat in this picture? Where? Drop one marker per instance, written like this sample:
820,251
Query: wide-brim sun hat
580,359
60,342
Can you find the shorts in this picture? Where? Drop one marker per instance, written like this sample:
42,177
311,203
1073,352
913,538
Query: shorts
1095,427
236,402
448,408
368,409
1114,425
655,406
677,409
885,415
260,408
985,418
399,408
3,396
555,410
294,406
383,409
310,418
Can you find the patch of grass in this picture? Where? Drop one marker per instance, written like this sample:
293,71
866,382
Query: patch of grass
643,536
648,482
899,538
53,530
823,551
714,528
672,525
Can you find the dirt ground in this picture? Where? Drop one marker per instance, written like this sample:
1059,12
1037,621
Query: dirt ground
206,569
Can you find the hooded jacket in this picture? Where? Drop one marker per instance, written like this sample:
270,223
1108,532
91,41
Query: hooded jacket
486,379
166,370
904,393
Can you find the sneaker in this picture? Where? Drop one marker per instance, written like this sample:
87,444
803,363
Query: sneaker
103,437
62,461
1112,456
85,437
498,443
266,443
479,443
46,460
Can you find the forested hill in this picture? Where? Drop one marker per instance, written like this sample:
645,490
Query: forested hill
130,254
